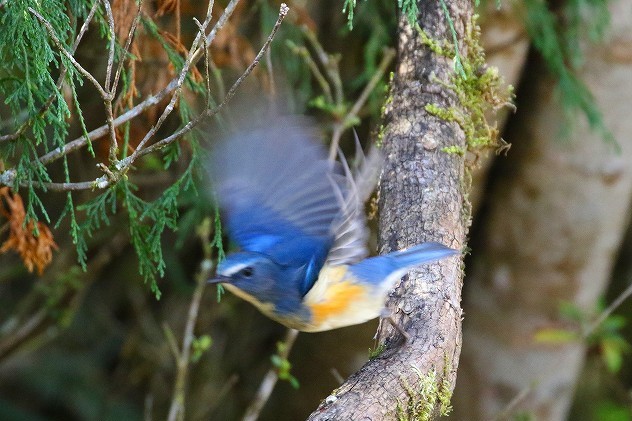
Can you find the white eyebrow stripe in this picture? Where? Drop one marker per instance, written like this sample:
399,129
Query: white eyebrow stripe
230,271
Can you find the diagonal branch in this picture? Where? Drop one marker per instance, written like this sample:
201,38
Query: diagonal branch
62,49
58,85
181,77
128,44
121,167
7,177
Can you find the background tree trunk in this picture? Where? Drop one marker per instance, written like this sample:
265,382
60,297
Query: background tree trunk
556,217
421,199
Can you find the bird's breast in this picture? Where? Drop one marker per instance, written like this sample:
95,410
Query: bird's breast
298,320
339,299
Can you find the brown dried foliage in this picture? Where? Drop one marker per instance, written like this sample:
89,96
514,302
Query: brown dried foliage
35,247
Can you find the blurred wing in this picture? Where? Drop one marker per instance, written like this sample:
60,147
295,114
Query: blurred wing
276,189
351,232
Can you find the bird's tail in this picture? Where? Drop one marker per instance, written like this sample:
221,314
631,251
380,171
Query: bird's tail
420,254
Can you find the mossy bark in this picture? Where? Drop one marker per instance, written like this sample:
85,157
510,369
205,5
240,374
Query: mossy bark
421,199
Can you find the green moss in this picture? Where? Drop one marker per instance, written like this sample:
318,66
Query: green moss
387,102
454,149
374,353
479,90
380,136
429,395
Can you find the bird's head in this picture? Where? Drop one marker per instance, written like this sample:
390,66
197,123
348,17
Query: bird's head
254,274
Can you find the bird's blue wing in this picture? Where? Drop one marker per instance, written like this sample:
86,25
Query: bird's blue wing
355,187
275,187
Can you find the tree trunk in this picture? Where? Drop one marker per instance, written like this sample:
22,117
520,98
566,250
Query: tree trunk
421,199
555,222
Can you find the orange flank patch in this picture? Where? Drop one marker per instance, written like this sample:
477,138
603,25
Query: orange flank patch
339,297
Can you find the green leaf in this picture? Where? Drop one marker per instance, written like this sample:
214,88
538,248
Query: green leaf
200,346
571,312
611,411
612,355
556,336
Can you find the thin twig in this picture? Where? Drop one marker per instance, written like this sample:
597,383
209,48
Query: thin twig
121,167
128,44
270,69
58,85
65,52
183,356
269,381
7,177
347,121
181,77
313,67
107,100
608,311
230,7
109,118
211,112
85,25
510,408
217,76
110,65
171,341
329,63
387,58
207,77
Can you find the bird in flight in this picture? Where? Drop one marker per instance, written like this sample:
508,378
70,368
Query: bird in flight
298,220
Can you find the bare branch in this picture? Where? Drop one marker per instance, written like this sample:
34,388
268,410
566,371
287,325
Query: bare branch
108,69
207,77
608,311
230,7
330,63
7,177
231,92
85,25
58,85
107,100
181,77
121,167
313,67
269,381
347,121
69,56
128,44
183,356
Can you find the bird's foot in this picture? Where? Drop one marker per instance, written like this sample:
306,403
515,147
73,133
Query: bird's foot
387,315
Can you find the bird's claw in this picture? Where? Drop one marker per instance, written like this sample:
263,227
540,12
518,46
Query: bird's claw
388,316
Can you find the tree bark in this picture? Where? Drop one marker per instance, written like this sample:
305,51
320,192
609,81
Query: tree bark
421,199
555,223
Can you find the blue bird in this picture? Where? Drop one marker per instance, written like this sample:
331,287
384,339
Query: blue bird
298,219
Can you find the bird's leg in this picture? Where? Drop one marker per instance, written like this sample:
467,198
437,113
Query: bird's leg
387,314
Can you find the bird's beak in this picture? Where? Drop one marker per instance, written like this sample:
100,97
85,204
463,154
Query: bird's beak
219,279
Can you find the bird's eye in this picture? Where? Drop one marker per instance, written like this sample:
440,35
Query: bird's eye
247,272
